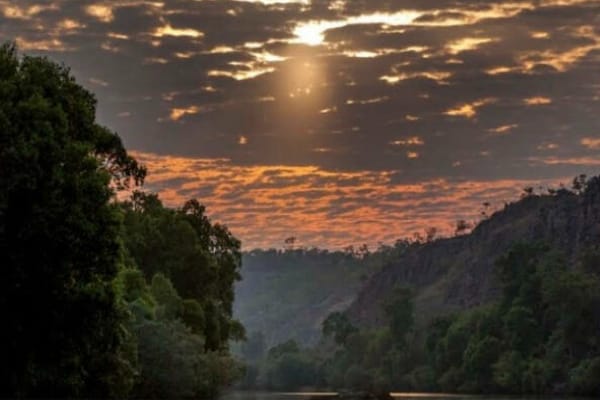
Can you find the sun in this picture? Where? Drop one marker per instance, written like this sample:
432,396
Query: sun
311,33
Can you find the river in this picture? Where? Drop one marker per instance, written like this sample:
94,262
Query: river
249,395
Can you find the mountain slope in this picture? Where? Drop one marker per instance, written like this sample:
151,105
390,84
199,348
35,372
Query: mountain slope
458,273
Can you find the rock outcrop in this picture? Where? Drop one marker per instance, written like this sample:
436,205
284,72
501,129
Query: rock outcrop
458,273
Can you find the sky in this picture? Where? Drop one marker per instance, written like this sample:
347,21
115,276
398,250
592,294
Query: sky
338,122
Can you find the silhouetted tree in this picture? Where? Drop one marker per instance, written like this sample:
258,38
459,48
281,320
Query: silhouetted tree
579,184
462,226
59,230
431,234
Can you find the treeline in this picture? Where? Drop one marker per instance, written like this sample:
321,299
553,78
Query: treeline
541,337
176,279
100,299
286,293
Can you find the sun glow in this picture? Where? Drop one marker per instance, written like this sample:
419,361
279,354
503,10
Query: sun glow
312,33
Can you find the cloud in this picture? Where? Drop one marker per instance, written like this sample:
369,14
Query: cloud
316,97
468,110
537,101
591,143
266,204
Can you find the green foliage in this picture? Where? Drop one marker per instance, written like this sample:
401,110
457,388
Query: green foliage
193,315
289,347
399,310
289,371
509,371
167,298
80,318
584,377
478,359
59,236
200,260
376,360
170,354
286,366
363,360
541,338
338,326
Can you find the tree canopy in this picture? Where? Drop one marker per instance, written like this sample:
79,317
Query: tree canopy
59,234
100,298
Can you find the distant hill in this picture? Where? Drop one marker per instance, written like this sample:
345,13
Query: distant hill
511,307
458,273
286,294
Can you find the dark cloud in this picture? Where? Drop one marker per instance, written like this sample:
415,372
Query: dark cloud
420,90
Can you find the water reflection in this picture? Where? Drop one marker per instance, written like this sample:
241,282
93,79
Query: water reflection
242,395
279,396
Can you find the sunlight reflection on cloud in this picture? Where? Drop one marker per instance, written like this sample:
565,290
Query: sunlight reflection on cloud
262,204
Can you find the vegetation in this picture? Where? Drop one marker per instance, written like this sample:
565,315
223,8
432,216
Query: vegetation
308,284
541,337
59,236
350,358
178,285
101,299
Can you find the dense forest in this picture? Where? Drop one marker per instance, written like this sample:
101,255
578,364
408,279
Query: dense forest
101,298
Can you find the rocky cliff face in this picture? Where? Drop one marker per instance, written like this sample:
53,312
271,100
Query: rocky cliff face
458,273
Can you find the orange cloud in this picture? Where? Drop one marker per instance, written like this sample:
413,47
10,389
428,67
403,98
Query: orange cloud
178,113
591,143
537,101
504,129
102,12
468,110
263,204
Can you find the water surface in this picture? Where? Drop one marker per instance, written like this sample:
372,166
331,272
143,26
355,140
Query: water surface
250,395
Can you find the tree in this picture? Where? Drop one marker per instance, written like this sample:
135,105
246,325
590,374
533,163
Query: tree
289,243
431,234
283,348
461,227
528,192
201,259
399,310
580,184
338,326
58,236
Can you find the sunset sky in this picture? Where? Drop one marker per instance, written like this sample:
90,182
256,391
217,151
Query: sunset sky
338,122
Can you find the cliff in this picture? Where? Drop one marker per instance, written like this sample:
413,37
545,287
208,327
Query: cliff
458,273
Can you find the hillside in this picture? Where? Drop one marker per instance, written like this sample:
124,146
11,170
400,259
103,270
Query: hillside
458,273
511,307
287,294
